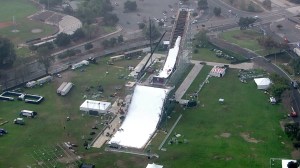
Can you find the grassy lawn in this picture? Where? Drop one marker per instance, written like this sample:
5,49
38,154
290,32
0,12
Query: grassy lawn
246,111
51,127
215,131
205,54
20,10
199,80
246,39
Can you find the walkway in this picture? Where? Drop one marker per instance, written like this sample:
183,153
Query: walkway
187,82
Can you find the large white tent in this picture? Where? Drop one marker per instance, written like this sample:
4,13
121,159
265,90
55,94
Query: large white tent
92,105
263,83
142,118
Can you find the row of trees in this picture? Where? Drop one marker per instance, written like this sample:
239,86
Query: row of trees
112,41
7,52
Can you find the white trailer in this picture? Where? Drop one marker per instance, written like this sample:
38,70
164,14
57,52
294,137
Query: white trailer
61,87
31,84
66,89
44,80
80,64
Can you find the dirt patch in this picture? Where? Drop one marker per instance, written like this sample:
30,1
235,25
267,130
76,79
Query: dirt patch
295,154
5,24
216,157
225,135
36,30
246,137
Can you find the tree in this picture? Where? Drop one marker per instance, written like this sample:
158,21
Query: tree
130,6
292,164
201,38
202,4
120,39
267,42
78,34
279,86
217,11
155,34
279,26
251,7
295,63
110,19
267,4
245,22
7,52
113,41
160,23
105,43
62,39
88,46
141,25
45,58
50,3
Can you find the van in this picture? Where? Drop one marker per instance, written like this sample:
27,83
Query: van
28,113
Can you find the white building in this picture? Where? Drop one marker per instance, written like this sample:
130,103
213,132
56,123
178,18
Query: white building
95,106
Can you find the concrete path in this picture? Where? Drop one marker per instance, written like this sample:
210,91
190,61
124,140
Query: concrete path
187,82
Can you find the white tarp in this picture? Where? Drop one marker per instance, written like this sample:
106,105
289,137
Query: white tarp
171,60
284,162
154,166
93,105
142,117
262,83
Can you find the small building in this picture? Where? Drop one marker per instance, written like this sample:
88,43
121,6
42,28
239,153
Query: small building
93,107
263,83
154,166
217,71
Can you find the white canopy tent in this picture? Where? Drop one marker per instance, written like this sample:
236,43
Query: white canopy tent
154,166
92,105
262,83
142,118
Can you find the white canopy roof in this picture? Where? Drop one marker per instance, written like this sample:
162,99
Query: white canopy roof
94,105
142,118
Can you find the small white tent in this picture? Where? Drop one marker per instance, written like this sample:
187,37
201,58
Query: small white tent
262,83
154,166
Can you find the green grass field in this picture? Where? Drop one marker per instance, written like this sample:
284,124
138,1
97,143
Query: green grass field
20,10
47,129
246,39
246,111
215,130
205,54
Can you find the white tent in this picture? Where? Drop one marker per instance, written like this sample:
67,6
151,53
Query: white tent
154,166
92,105
143,115
262,83
217,71
284,162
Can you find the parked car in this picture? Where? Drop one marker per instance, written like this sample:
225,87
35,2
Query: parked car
3,131
19,121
